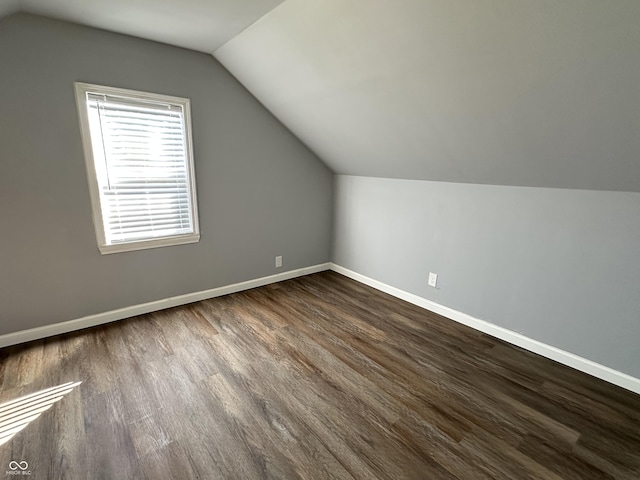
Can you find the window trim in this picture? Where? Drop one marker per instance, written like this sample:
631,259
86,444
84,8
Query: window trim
81,91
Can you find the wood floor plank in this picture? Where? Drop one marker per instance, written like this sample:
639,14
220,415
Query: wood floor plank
110,450
172,461
318,377
561,461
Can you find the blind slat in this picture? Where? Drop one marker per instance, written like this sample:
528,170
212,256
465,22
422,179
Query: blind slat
144,182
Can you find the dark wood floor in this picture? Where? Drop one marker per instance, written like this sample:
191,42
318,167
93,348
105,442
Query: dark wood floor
318,377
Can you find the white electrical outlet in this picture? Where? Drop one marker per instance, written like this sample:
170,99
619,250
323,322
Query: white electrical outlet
278,261
433,279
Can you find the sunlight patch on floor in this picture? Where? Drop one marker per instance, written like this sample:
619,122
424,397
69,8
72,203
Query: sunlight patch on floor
17,414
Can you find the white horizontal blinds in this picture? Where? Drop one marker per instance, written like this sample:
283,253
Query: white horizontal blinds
140,155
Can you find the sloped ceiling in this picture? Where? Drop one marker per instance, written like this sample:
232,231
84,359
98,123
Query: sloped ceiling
538,93
202,25
526,92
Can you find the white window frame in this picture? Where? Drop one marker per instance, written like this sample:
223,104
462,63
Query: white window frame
82,90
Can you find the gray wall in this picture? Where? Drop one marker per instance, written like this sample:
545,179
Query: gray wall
261,193
559,266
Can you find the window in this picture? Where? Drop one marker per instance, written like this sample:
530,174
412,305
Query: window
139,160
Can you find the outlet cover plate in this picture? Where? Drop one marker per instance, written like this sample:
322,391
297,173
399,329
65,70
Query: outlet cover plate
433,279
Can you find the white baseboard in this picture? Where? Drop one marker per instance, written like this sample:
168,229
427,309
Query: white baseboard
566,358
113,315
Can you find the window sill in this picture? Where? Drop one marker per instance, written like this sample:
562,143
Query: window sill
151,243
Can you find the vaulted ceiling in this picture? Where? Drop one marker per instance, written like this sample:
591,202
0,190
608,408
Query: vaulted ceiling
202,25
526,92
